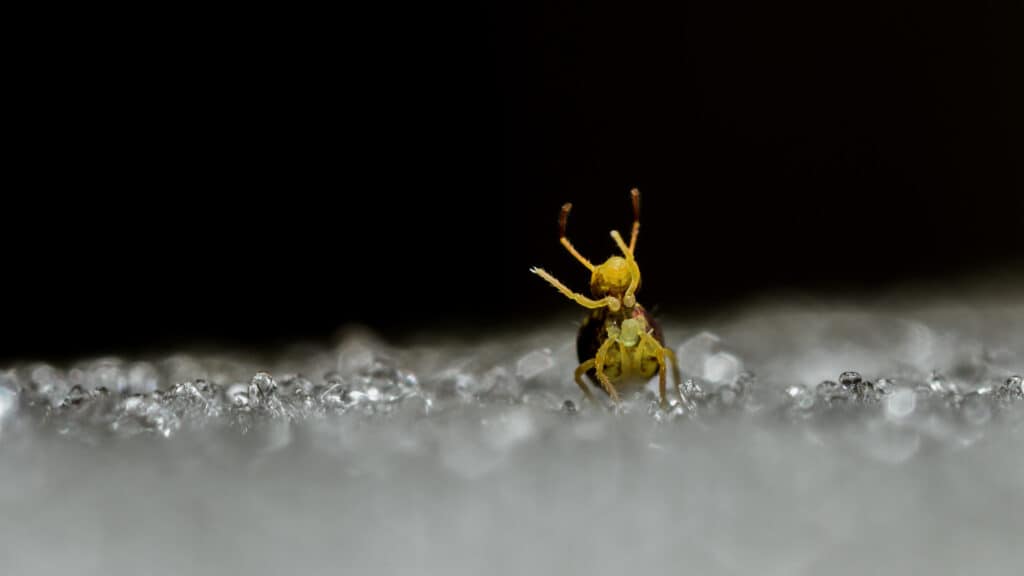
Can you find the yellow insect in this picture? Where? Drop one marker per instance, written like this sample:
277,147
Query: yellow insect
619,344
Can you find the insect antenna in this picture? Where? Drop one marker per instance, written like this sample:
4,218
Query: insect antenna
563,218
635,195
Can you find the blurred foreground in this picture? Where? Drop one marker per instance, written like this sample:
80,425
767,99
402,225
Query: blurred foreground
820,441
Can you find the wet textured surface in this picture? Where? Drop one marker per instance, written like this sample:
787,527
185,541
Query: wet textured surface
817,441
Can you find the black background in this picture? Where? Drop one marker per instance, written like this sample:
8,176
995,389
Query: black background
251,185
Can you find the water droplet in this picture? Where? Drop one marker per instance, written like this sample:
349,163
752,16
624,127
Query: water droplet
297,385
534,363
186,391
265,384
654,408
391,384
900,403
350,398
262,395
938,384
693,391
694,353
864,391
722,367
144,414
333,396
253,392
237,395
205,387
373,394
800,396
76,395
831,391
1012,389
458,382
850,379
569,407
302,401
728,394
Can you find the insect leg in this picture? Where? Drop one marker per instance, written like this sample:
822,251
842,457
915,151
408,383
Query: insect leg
626,361
659,353
599,361
661,378
580,371
675,375
610,301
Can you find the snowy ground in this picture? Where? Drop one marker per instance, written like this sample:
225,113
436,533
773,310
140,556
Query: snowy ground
465,458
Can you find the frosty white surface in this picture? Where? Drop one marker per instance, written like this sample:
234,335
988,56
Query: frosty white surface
828,442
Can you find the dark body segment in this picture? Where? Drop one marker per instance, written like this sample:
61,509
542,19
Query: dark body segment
593,333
